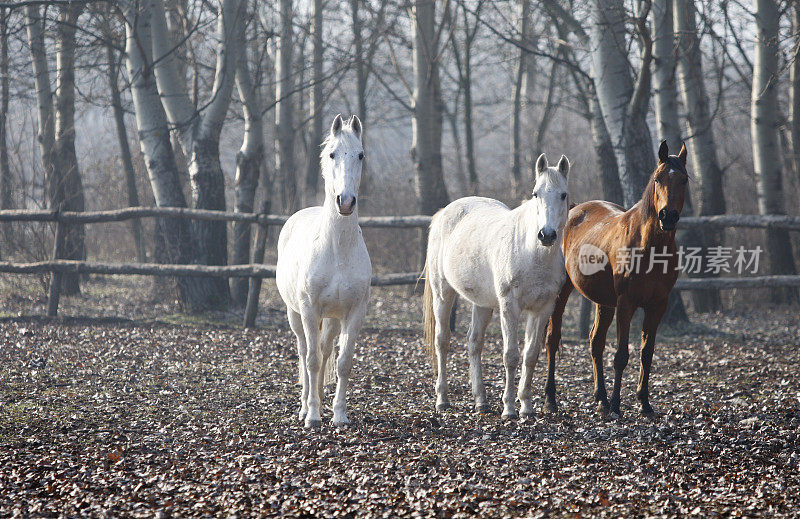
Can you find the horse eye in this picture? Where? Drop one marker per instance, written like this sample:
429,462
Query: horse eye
563,196
535,194
361,156
333,155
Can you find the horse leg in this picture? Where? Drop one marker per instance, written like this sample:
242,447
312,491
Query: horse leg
652,318
553,340
442,304
624,315
330,329
296,323
347,341
597,338
311,328
477,331
534,336
509,320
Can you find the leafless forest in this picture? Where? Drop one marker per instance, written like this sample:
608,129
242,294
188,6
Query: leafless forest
147,395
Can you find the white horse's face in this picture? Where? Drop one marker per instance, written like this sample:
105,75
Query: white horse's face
551,199
342,159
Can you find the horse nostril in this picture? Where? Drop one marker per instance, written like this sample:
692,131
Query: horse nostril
354,201
339,200
541,235
662,214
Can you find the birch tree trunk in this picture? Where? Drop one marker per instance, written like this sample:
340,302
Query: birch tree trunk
316,105
6,197
154,140
518,91
622,102
764,122
248,164
426,125
665,96
284,110
794,92
124,147
200,130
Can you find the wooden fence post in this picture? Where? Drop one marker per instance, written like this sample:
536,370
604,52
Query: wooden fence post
254,290
54,292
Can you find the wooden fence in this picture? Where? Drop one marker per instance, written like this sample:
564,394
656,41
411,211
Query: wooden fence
58,267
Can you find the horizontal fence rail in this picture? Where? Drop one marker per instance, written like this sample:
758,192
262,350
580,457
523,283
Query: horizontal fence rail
57,267
755,221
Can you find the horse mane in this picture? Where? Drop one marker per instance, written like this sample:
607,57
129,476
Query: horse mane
648,198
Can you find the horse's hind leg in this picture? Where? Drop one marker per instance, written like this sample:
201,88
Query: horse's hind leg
330,330
477,331
344,363
624,315
534,336
296,323
604,315
442,304
552,341
652,318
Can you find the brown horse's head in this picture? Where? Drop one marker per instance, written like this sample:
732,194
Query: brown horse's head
665,193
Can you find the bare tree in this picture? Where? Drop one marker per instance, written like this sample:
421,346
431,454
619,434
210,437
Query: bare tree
316,102
6,199
122,137
249,161
764,121
57,124
427,119
284,109
521,79
623,102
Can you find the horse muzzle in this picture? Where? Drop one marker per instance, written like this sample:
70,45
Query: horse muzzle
547,237
668,219
345,204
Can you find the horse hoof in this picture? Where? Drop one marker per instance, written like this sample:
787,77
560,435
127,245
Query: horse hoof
603,411
550,408
510,416
483,409
443,406
313,424
525,417
648,413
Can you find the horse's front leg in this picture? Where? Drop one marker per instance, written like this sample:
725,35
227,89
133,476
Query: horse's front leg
624,315
475,336
296,323
534,335
311,327
351,325
552,341
604,315
652,318
509,320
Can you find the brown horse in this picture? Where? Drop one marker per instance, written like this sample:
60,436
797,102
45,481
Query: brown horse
602,245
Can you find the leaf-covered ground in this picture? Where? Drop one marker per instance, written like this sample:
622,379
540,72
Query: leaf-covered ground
122,417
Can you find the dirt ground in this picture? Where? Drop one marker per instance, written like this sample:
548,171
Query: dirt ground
104,415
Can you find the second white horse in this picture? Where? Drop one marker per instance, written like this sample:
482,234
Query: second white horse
498,259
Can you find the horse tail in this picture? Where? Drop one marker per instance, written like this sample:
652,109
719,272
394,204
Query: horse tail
430,319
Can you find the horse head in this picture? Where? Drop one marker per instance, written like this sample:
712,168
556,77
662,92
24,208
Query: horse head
550,198
666,191
342,158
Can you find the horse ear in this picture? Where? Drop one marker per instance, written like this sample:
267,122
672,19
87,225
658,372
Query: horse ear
541,164
355,125
336,127
682,154
663,152
563,166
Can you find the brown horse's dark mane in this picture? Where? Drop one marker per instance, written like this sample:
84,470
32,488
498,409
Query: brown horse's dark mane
648,200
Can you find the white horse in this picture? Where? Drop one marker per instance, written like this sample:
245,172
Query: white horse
323,273
498,259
